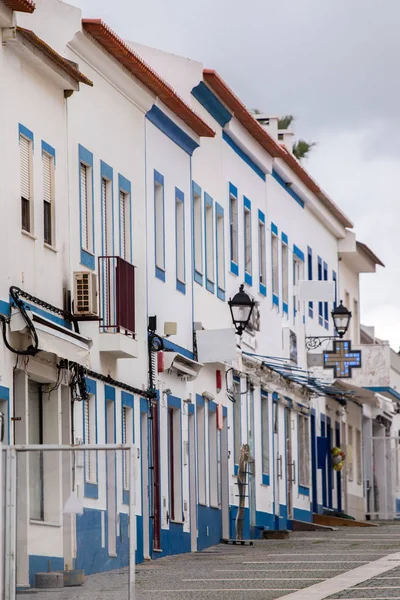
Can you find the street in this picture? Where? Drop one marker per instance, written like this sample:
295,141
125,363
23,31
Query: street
344,564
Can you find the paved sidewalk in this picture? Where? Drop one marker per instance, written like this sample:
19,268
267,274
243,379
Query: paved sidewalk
268,570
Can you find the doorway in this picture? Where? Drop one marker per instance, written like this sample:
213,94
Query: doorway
277,464
111,476
290,465
192,484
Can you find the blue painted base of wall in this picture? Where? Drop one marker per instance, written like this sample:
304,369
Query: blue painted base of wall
40,564
263,521
300,514
173,541
91,557
211,518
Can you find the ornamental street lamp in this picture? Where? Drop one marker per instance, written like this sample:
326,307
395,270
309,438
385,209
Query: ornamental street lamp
341,317
241,306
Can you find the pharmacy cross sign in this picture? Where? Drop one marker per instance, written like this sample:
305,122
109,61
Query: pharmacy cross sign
342,359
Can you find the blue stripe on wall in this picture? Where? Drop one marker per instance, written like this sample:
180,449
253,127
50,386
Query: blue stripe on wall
249,161
212,104
287,188
171,130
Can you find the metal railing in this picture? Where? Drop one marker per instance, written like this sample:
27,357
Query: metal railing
117,295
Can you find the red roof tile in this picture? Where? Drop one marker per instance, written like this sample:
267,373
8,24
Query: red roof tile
268,143
115,46
26,6
62,62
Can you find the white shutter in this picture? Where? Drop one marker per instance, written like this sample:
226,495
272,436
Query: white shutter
86,418
47,167
25,150
84,206
122,223
124,441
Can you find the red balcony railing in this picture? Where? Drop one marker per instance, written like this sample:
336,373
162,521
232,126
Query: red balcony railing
117,295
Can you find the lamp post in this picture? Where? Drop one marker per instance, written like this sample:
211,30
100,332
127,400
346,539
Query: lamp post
341,317
241,307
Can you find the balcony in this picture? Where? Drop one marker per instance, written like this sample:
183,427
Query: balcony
117,307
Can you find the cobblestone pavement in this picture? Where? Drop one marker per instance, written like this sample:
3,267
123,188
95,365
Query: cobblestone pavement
270,569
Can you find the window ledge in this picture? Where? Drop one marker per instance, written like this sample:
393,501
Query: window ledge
175,522
29,234
157,549
49,247
215,507
203,504
44,523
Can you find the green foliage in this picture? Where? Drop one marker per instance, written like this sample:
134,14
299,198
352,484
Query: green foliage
301,148
285,122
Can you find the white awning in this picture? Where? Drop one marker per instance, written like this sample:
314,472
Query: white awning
361,394
70,348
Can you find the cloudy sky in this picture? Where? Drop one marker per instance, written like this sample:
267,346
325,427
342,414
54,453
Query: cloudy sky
331,63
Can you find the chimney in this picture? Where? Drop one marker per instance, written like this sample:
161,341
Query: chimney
286,137
270,124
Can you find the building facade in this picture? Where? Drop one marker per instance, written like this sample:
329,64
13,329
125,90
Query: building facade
144,190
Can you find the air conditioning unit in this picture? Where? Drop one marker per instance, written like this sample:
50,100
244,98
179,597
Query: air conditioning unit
85,293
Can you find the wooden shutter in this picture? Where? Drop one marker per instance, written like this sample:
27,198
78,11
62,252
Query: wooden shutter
86,417
104,209
84,206
25,148
126,454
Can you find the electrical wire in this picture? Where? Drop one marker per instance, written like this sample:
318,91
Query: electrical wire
5,321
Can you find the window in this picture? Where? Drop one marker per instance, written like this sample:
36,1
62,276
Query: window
89,437
180,240
233,228
275,264
265,434
320,304
127,439
349,453
86,207
26,151
213,457
356,323
159,225
48,165
334,278
262,254
220,245
237,422
248,268
36,470
174,462
209,235
326,307
298,268
285,274
107,217
198,234
201,449
125,225
359,456
310,276
304,451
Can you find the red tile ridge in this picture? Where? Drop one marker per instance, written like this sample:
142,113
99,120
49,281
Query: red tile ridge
62,62
26,6
124,54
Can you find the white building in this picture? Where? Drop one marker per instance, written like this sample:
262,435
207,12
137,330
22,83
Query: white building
165,202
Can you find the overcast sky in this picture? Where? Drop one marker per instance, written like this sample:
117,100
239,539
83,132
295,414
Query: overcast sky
331,63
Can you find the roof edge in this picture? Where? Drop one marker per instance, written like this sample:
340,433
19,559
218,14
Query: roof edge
369,253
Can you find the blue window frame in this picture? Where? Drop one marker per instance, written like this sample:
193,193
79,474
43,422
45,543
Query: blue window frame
234,228
320,304
265,434
159,226
197,217
107,209
275,264
220,250
180,241
209,241
310,276
334,278
125,218
86,203
326,308
248,262
298,270
262,254
127,438
90,436
285,273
